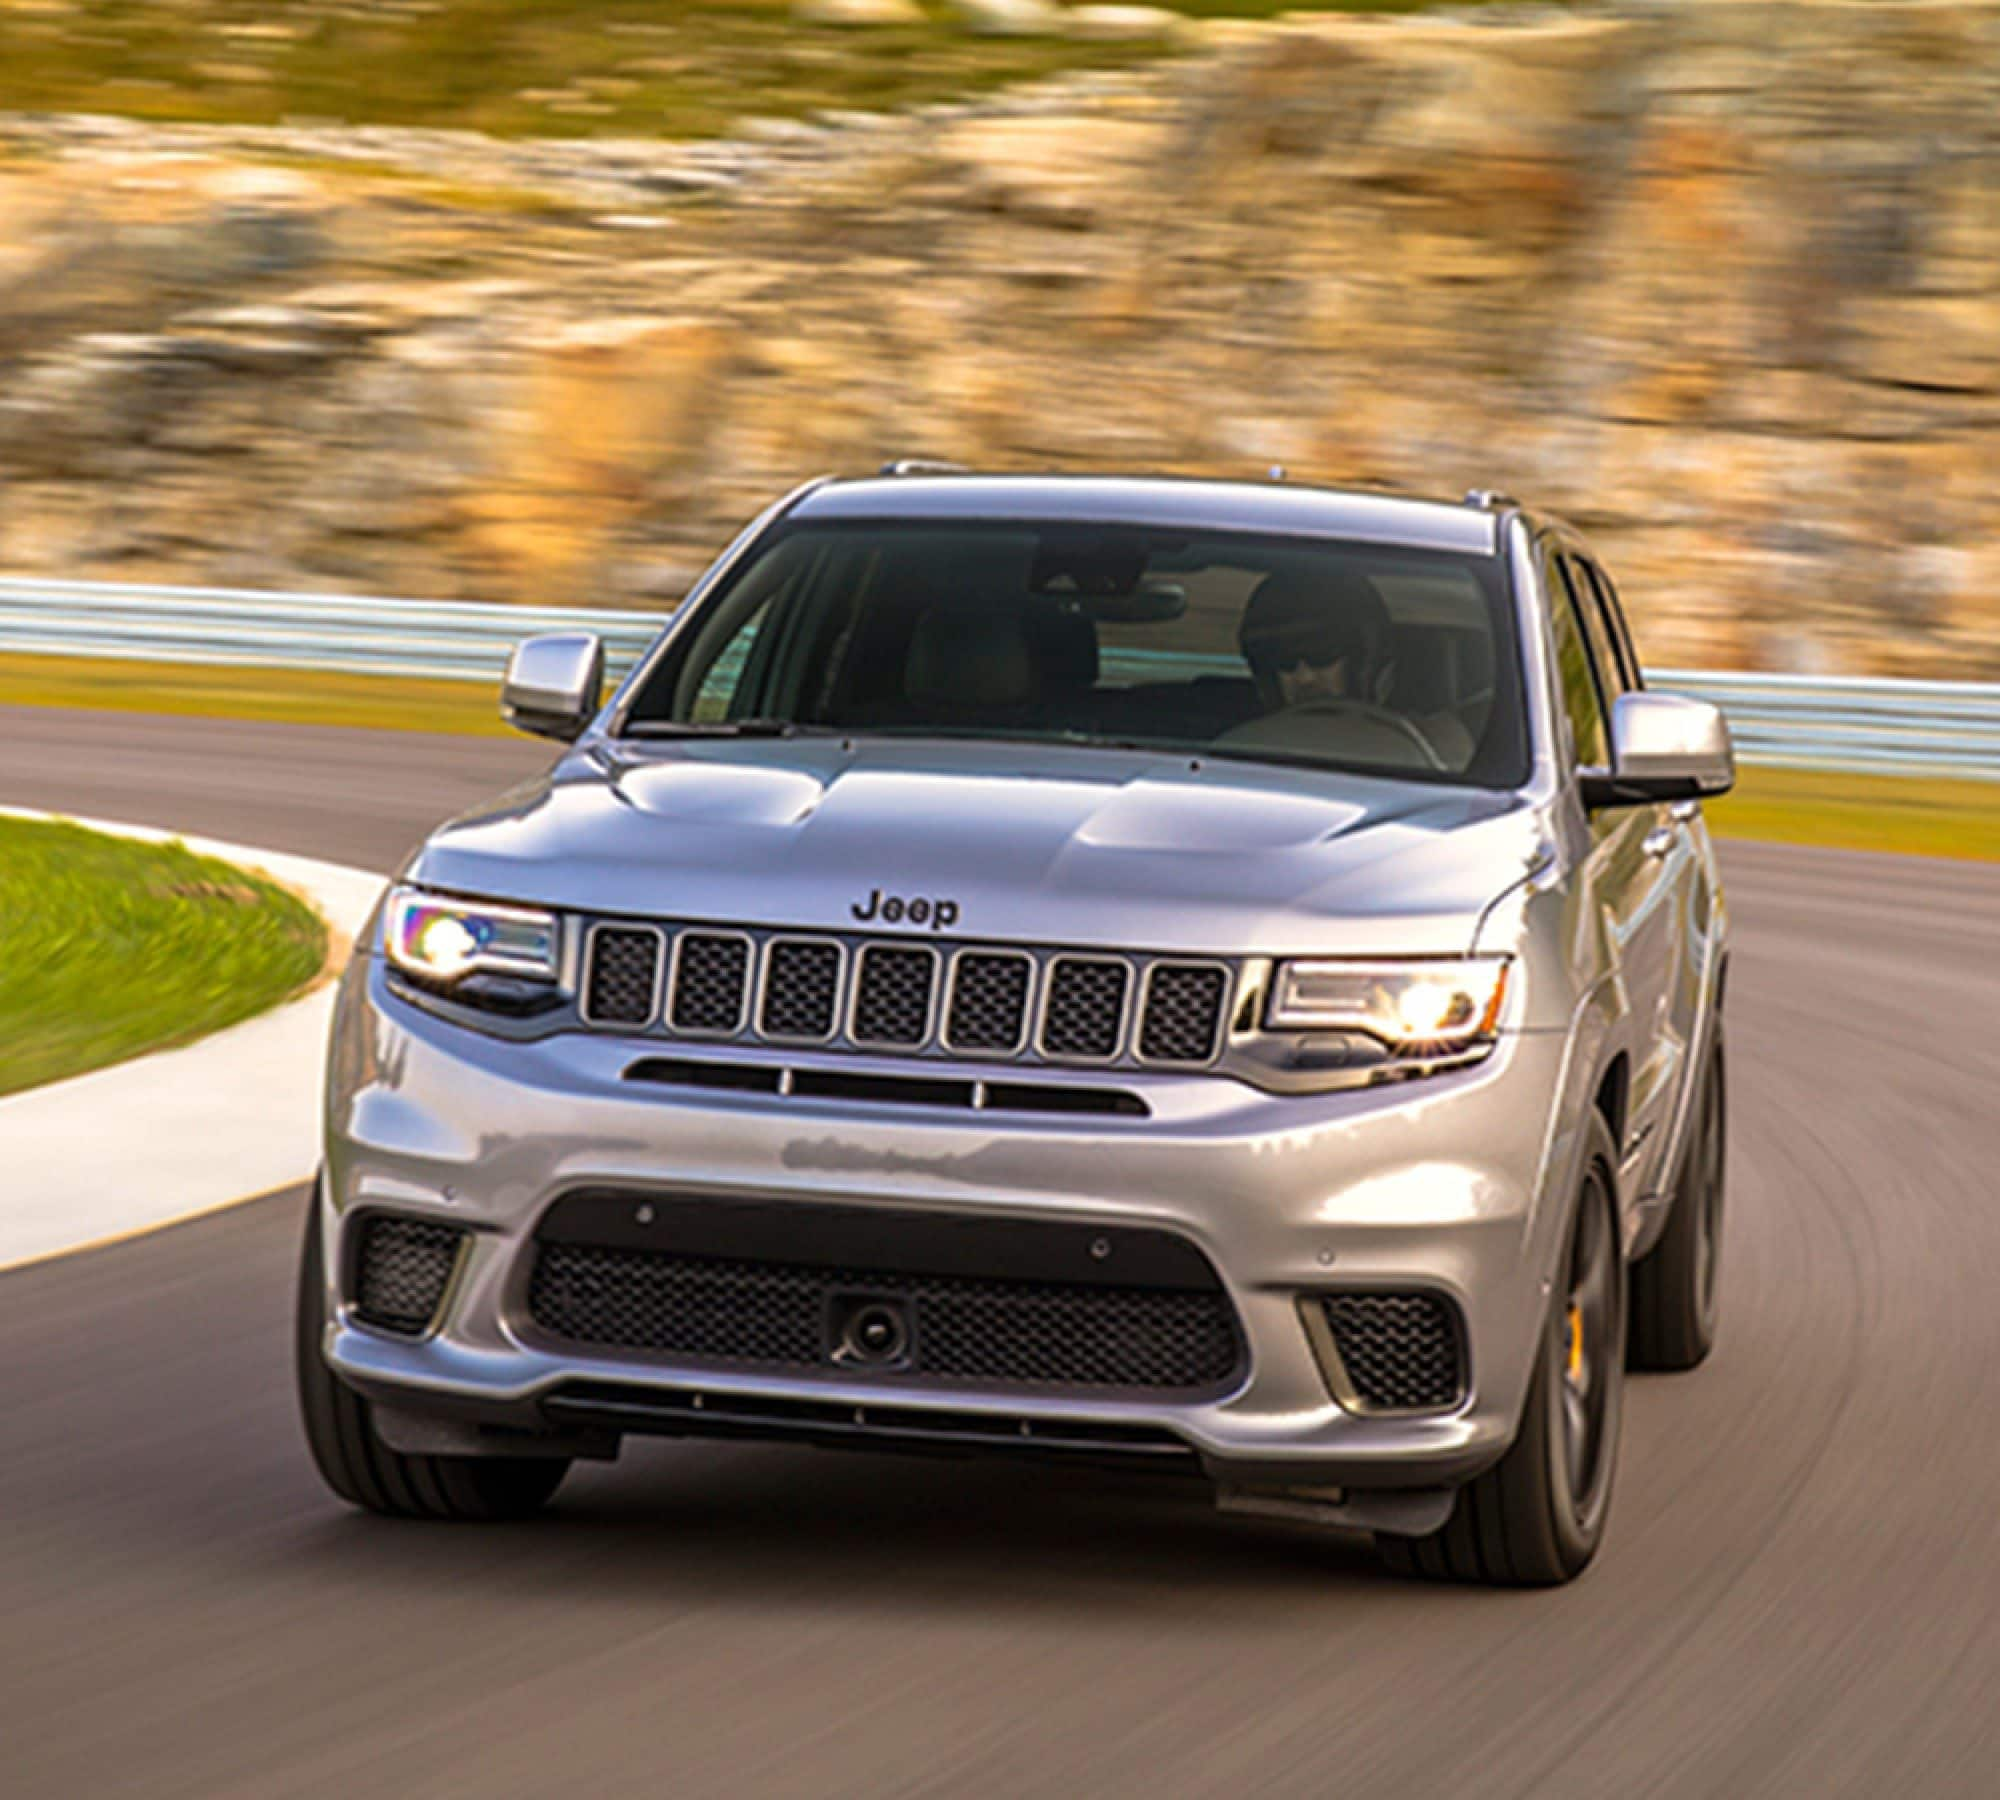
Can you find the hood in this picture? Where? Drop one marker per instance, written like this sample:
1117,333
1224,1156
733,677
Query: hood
1000,842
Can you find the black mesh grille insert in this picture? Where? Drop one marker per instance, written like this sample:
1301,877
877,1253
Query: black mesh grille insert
893,1002
1086,1007
711,976
801,989
989,1001
753,1312
1401,1351
401,1271
1183,1012
624,971
962,1329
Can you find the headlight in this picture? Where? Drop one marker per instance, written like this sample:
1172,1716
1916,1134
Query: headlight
1417,1008
439,939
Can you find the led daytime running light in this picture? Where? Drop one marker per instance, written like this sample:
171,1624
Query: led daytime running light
1418,1007
442,939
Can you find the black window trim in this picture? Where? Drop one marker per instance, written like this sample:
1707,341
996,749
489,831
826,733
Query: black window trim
1557,554
1622,646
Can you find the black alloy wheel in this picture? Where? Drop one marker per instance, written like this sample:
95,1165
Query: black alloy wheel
1537,1516
1592,1328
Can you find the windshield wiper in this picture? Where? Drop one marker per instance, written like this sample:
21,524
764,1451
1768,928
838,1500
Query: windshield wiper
716,728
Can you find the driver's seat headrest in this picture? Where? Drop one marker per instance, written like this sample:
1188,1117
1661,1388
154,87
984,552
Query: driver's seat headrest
962,657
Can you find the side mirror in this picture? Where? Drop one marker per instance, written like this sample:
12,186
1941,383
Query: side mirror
1663,747
554,684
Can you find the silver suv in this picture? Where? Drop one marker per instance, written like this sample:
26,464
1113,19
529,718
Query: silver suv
1212,977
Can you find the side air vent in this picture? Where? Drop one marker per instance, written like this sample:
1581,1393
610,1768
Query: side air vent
1400,1352
401,1270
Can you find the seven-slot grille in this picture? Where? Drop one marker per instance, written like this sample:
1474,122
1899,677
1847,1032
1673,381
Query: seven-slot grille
902,995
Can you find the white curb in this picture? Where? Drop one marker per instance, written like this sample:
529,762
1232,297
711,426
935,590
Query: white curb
181,1132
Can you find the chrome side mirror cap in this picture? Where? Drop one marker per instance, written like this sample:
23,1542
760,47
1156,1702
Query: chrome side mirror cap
554,684
1663,747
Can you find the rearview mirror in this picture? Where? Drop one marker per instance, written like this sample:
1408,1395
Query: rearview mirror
554,684
1150,603
1663,747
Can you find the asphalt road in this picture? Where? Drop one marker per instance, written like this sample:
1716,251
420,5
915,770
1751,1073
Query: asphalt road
1800,1593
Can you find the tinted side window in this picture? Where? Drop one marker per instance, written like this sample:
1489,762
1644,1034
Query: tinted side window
1611,679
1621,636
1581,697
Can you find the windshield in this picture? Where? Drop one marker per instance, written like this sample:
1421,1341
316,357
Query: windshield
1342,655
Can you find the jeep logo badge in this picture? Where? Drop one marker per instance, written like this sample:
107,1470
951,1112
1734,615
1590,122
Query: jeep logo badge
894,909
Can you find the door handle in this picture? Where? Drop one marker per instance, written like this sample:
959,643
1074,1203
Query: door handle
1658,841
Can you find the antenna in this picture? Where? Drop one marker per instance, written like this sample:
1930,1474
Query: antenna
922,465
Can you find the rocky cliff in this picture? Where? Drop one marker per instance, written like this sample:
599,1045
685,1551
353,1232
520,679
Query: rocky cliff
1720,281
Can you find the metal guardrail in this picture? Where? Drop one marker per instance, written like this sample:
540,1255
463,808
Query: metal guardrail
1837,722
1853,722
440,639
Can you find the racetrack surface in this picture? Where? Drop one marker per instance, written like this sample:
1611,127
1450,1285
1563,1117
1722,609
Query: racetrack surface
1800,1593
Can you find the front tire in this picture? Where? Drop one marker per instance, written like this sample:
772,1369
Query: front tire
1674,1284
1536,1518
363,1470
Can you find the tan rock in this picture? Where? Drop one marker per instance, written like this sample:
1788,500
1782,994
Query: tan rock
1720,283
1108,23
859,13
1009,18
1924,342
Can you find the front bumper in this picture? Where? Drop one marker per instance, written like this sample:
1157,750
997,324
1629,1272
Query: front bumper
1440,1184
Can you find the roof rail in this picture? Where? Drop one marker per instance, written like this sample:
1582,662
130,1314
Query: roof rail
1492,499
922,465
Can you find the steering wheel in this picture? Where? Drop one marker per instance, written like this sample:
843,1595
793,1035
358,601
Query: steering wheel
1380,715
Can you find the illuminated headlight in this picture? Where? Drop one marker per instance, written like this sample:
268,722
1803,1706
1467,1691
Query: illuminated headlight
1417,1008
441,939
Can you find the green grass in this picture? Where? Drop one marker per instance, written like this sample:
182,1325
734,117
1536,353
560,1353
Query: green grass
1918,817
1910,815
110,947
650,68
282,696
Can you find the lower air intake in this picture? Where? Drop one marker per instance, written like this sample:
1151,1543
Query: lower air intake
1402,1352
963,1329
401,1272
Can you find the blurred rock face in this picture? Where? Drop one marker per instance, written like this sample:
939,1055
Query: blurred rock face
1720,282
